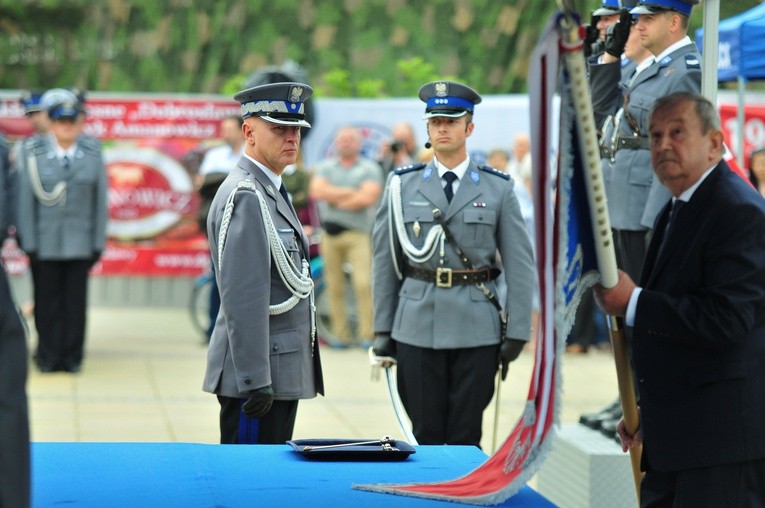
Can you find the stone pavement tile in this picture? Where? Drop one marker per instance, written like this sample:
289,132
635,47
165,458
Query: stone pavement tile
142,377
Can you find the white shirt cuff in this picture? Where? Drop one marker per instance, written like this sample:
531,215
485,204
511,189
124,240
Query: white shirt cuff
629,319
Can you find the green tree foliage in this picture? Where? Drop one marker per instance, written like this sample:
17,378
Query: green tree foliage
367,48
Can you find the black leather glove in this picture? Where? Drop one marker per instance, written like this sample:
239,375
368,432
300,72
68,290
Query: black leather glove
617,35
509,351
591,37
259,402
384,345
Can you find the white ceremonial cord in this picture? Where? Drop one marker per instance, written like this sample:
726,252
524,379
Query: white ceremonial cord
298,282
54,197
430,245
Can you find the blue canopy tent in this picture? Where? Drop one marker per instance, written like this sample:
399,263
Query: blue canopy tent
741,57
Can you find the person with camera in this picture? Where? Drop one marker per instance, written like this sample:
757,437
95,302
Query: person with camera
401,150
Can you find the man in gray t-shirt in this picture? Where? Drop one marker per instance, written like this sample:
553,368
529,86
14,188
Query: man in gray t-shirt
347,189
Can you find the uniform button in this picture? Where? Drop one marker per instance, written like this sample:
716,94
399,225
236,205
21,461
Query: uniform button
247,381
275,348
642,380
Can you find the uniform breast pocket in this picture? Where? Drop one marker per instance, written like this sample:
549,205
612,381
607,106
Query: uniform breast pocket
290,241
418,221
639,106
483,222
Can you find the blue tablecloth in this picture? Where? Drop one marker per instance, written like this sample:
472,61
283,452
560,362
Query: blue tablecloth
197,475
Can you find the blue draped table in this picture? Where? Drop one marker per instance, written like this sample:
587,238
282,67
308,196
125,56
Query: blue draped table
200,475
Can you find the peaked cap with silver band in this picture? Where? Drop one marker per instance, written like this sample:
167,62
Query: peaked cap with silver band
61,103
447,98
279,103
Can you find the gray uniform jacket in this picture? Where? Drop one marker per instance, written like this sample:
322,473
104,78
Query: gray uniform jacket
485,218
250,349
75,227
635,197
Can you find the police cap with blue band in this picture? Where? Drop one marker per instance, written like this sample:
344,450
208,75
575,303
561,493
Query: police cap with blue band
279,103
61,104
683,7
607,8
447,98
30,101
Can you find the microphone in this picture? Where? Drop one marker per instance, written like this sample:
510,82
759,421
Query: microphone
428,145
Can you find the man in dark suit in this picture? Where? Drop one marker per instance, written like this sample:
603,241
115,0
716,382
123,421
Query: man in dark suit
14,422
698,319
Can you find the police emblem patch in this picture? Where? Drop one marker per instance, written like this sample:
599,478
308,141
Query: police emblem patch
295,93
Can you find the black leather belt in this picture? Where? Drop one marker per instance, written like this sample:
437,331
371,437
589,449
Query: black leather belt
629,143
446,277
633,143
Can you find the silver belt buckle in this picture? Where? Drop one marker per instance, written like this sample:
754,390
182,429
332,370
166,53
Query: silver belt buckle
444,277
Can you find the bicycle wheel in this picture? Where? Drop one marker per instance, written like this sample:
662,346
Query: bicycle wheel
325,329
199,303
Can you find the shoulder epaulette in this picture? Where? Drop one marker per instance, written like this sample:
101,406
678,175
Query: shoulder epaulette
36,145
692,61
408,169
493,171
89,144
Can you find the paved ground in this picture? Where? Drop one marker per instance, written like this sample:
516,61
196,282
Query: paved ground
141,381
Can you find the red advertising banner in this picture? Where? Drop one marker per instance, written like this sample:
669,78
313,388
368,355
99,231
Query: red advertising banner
153,146
753,128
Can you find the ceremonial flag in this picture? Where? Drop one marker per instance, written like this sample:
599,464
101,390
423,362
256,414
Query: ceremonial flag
566,263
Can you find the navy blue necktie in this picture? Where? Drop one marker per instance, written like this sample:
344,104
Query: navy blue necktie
669,229
283,192
450,177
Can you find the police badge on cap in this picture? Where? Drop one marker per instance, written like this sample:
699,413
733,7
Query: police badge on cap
654,6
447,98
280,103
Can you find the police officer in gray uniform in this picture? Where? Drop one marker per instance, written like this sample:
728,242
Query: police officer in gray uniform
635,196
61,225
263,354
436,238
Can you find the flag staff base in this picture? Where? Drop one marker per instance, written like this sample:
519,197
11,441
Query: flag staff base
626,393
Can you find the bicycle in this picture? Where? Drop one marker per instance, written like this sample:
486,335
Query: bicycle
199,303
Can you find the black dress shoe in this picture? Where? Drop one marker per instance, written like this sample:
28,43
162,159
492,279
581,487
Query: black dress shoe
594,420
45,366
73,368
